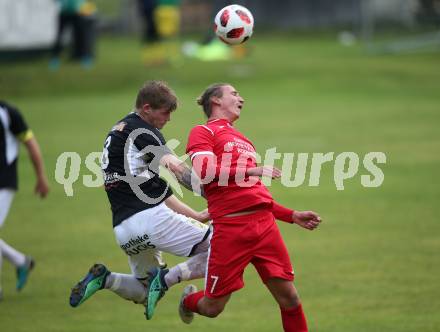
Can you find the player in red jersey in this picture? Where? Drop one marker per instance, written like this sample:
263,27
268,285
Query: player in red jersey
243,214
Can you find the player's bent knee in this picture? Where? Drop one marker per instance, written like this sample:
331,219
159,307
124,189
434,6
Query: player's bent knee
214,311
287,297
289,302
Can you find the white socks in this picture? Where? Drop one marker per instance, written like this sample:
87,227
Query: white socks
193,268
126,286
12,255
130,288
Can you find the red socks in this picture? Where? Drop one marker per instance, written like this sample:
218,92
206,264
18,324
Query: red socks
294,319
191,300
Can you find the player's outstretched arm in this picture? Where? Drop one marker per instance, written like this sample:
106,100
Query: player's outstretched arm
206,168
184,175
42,186
178,206
268,171
306,219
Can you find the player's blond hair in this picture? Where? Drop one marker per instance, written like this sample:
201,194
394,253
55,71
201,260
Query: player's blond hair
158,95
214,90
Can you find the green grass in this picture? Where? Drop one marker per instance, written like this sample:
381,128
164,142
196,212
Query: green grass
371,267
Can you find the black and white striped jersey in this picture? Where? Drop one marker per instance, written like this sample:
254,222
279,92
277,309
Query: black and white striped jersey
12,128
130,164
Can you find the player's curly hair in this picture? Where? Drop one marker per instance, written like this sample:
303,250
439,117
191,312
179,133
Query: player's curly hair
214,90
158,95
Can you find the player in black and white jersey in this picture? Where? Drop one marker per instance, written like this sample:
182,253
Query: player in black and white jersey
13,130
147,217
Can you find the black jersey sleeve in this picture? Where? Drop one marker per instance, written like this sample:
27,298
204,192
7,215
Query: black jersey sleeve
18,124
152,144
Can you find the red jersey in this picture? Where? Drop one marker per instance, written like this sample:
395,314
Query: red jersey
229,190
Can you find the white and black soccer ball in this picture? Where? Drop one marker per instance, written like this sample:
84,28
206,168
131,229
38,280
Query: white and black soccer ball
234,24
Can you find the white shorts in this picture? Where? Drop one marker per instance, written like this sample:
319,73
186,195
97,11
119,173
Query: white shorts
145,234
6,197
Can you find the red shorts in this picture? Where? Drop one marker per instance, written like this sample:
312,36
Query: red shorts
238,241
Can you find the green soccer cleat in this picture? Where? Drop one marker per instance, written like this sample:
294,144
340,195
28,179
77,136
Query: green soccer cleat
89,285
155,290
23,272
186,315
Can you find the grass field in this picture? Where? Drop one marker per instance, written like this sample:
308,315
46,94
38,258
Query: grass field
371,266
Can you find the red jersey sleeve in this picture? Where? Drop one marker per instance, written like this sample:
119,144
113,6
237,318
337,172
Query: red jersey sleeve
200,140
282,213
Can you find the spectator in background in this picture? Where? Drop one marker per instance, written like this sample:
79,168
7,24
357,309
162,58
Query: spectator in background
167,16
161,25
80,17
146,10
13,129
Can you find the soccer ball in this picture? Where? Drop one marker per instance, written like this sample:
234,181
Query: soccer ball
234,24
